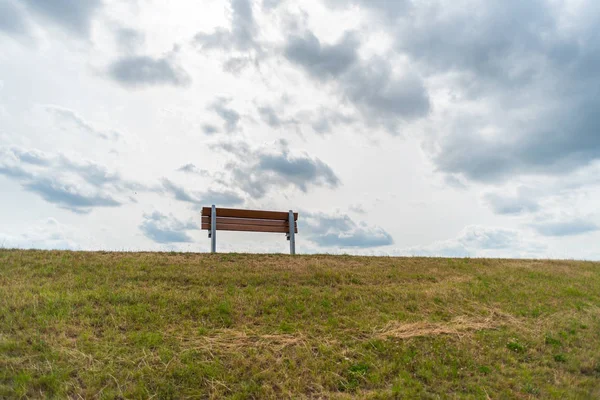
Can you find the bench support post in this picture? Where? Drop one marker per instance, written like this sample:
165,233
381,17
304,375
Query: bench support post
213,230
292,233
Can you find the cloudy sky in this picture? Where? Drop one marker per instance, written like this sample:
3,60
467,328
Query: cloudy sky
407,127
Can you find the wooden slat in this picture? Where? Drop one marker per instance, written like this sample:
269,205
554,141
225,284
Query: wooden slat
249,228
244,221
253,214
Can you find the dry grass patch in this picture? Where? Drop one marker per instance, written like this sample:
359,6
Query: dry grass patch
458,326
232,340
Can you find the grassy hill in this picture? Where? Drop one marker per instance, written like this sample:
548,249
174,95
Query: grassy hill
169,325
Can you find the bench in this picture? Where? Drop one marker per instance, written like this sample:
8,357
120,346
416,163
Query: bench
232,219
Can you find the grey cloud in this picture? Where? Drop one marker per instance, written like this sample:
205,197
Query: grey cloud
73,185
192,169
94,174
325,120
535,78
235,65
486,44
572,227
271,4
138,71
220,38
358,209
81,186
481,241
242,33
31,156
361,238
299,170
239,44
129,40
523,202
14,172
240,149
454,181
383,97
202,198
243,24
388,9
322,61
228,114
548,150
533,75
322,126
271,117
98,176
530,197
341,231
179,192
210,129
74,16
162,228
223,198
12,19
69,196
13,161
258,171
321,119
71,118
249,182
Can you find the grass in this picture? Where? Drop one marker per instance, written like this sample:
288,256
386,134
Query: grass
168,325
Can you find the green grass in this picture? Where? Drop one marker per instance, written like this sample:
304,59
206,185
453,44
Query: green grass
141,325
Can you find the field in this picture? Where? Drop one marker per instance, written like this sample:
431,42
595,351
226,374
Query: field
170,325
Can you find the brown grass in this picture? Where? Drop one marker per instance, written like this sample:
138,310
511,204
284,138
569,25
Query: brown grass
457,326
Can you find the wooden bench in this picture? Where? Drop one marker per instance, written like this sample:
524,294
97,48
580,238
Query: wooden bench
232,219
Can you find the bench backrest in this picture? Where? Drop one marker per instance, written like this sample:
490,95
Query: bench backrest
231,219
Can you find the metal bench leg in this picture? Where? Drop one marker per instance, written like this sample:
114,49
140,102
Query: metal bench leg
292,234
213,230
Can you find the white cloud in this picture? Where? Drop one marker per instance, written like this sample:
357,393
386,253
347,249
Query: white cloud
341,231
71,184
48,235
403,122
479,241
166,229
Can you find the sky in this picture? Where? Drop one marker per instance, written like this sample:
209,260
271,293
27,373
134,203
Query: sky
412,127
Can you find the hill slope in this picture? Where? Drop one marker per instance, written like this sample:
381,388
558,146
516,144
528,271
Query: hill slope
128,325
